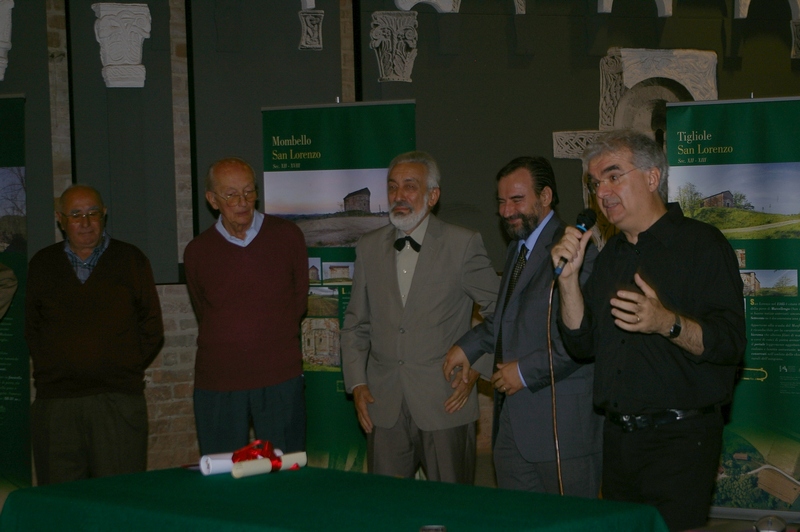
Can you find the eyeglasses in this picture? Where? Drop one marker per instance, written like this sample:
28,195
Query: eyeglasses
233,199
77,217
612,180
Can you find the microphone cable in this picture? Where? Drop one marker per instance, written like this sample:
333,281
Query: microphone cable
553,386
586,220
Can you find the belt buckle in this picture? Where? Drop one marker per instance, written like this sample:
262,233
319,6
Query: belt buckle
628,423
679,414
644,421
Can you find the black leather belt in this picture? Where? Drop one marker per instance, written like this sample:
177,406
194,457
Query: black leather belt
630,422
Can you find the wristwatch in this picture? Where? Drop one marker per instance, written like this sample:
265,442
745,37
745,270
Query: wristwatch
676,329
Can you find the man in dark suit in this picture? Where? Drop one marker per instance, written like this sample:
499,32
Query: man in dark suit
524,448
414,285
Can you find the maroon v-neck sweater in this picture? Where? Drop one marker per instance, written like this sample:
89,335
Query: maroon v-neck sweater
249,302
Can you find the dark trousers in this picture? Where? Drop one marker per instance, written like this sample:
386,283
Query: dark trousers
277,414
580,475
88,437
672,467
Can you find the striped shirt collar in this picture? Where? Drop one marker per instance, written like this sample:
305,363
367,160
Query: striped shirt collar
83,268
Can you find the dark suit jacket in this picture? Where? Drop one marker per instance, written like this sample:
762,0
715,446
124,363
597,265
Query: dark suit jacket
525,340
399,351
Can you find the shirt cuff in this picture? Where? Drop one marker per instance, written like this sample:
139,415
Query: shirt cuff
521,377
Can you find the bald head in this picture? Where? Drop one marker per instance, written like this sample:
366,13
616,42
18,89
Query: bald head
229,164
82,190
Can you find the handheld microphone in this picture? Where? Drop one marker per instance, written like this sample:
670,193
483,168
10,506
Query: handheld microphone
586,220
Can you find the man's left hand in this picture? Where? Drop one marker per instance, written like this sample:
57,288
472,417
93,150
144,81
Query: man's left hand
506,378
460,395
643,313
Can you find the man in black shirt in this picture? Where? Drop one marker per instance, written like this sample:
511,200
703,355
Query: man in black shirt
662,314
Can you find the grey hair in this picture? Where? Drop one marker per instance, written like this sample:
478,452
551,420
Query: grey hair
645,154
421,157
211,179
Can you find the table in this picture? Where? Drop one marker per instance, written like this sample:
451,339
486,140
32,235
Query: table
307,499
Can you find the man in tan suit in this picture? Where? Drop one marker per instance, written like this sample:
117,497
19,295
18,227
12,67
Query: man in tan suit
413,291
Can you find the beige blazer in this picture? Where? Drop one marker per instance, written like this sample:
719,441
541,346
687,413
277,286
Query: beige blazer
399,351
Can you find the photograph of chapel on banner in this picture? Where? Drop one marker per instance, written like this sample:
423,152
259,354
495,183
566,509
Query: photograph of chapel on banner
325,170
736,165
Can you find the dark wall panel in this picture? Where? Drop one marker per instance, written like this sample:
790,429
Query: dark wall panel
491,85
123,138
245,56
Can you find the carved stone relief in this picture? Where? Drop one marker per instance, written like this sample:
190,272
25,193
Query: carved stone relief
394,39
653,77
121,29
311,23
442,6
570,144
519,7
795,5
740,8
795,25
5,34
611,87
305,5
664,8
635,86
694,69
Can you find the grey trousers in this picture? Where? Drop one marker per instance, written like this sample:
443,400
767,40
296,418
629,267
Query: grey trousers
445,455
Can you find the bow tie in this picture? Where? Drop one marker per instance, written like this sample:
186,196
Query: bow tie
400,243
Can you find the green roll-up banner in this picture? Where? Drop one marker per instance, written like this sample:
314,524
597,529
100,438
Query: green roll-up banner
325,169
736,165
15,439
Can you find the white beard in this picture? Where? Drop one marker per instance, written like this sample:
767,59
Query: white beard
407,222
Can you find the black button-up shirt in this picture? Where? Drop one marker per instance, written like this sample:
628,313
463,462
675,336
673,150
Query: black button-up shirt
693,270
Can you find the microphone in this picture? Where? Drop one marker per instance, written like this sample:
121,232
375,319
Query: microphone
586,220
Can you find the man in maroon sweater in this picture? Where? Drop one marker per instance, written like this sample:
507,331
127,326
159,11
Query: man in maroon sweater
93,324
248,280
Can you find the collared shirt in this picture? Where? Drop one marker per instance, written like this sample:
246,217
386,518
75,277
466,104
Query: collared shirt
250,234
529,243
406,258
694,271
83,268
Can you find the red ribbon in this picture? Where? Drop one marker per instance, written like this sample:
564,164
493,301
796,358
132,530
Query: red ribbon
259,450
